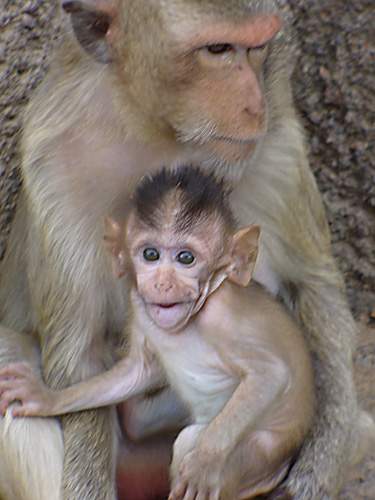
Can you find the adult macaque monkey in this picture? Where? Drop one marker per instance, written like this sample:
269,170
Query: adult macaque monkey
134,85
232,354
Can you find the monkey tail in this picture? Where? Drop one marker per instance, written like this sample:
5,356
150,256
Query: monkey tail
31,458
365,438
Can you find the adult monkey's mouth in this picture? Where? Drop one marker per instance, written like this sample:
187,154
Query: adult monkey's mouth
233,140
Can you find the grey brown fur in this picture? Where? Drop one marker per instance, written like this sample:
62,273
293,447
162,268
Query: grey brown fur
55,258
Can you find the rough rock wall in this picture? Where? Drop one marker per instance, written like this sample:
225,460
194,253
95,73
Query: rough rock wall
335,94
27,29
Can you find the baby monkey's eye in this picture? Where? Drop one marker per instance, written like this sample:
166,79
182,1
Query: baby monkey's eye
151,254
219,48
185,257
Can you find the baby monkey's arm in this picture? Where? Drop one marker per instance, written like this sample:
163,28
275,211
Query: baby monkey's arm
215,459
129,377
258,390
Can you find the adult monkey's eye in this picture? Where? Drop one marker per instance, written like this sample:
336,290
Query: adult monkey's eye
185,257
151,254
219,48
259,48
257,55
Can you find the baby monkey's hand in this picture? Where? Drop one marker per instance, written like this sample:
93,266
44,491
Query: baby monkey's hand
202,475
19,382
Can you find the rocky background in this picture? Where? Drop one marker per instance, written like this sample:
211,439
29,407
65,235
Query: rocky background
335,94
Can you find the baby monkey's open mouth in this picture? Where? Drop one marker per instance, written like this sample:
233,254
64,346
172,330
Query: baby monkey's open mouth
169,315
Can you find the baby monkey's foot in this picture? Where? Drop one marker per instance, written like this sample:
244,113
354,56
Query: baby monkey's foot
201,476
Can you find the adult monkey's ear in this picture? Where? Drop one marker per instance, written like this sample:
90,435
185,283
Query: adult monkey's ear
244,255
91,21
114,241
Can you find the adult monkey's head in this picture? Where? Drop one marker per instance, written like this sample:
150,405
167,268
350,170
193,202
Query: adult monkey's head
199,71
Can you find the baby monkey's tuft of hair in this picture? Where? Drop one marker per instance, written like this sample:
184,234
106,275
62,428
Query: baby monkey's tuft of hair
199,196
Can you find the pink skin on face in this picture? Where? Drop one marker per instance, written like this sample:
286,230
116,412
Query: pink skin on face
169,316
169,296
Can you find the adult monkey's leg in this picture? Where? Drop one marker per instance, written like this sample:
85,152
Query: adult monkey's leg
320,304
31,449
89,437
324,309
71,317
90,451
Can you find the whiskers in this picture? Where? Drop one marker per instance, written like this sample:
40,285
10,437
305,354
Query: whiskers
199,134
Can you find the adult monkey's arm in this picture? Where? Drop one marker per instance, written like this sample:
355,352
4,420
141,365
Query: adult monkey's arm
297,242
144,93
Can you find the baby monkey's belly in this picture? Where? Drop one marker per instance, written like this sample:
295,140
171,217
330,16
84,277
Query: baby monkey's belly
206,393
199,376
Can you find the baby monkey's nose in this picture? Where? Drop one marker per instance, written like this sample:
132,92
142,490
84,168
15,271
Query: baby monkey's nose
164,286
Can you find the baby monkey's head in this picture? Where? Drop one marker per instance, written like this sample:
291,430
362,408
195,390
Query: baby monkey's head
180,242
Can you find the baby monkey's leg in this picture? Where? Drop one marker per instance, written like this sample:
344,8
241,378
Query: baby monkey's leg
262,460
185,442
255,467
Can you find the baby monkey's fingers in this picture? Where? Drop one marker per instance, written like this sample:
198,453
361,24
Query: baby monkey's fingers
4,404
214,495
16,370
204,493
26,409
190,494
10,384
178,491
9,396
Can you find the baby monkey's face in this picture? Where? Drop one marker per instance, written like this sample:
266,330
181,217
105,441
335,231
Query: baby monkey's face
175,261
172,272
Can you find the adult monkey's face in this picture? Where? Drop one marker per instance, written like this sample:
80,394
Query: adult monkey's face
194,71
219,87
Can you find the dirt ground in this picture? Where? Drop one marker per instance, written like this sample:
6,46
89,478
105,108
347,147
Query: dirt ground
335,94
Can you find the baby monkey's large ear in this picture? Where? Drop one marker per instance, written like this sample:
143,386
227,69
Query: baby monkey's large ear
114,241
244,255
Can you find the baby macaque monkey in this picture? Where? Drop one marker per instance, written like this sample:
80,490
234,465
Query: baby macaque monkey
230,351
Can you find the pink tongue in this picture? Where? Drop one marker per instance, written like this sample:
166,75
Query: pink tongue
169,314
